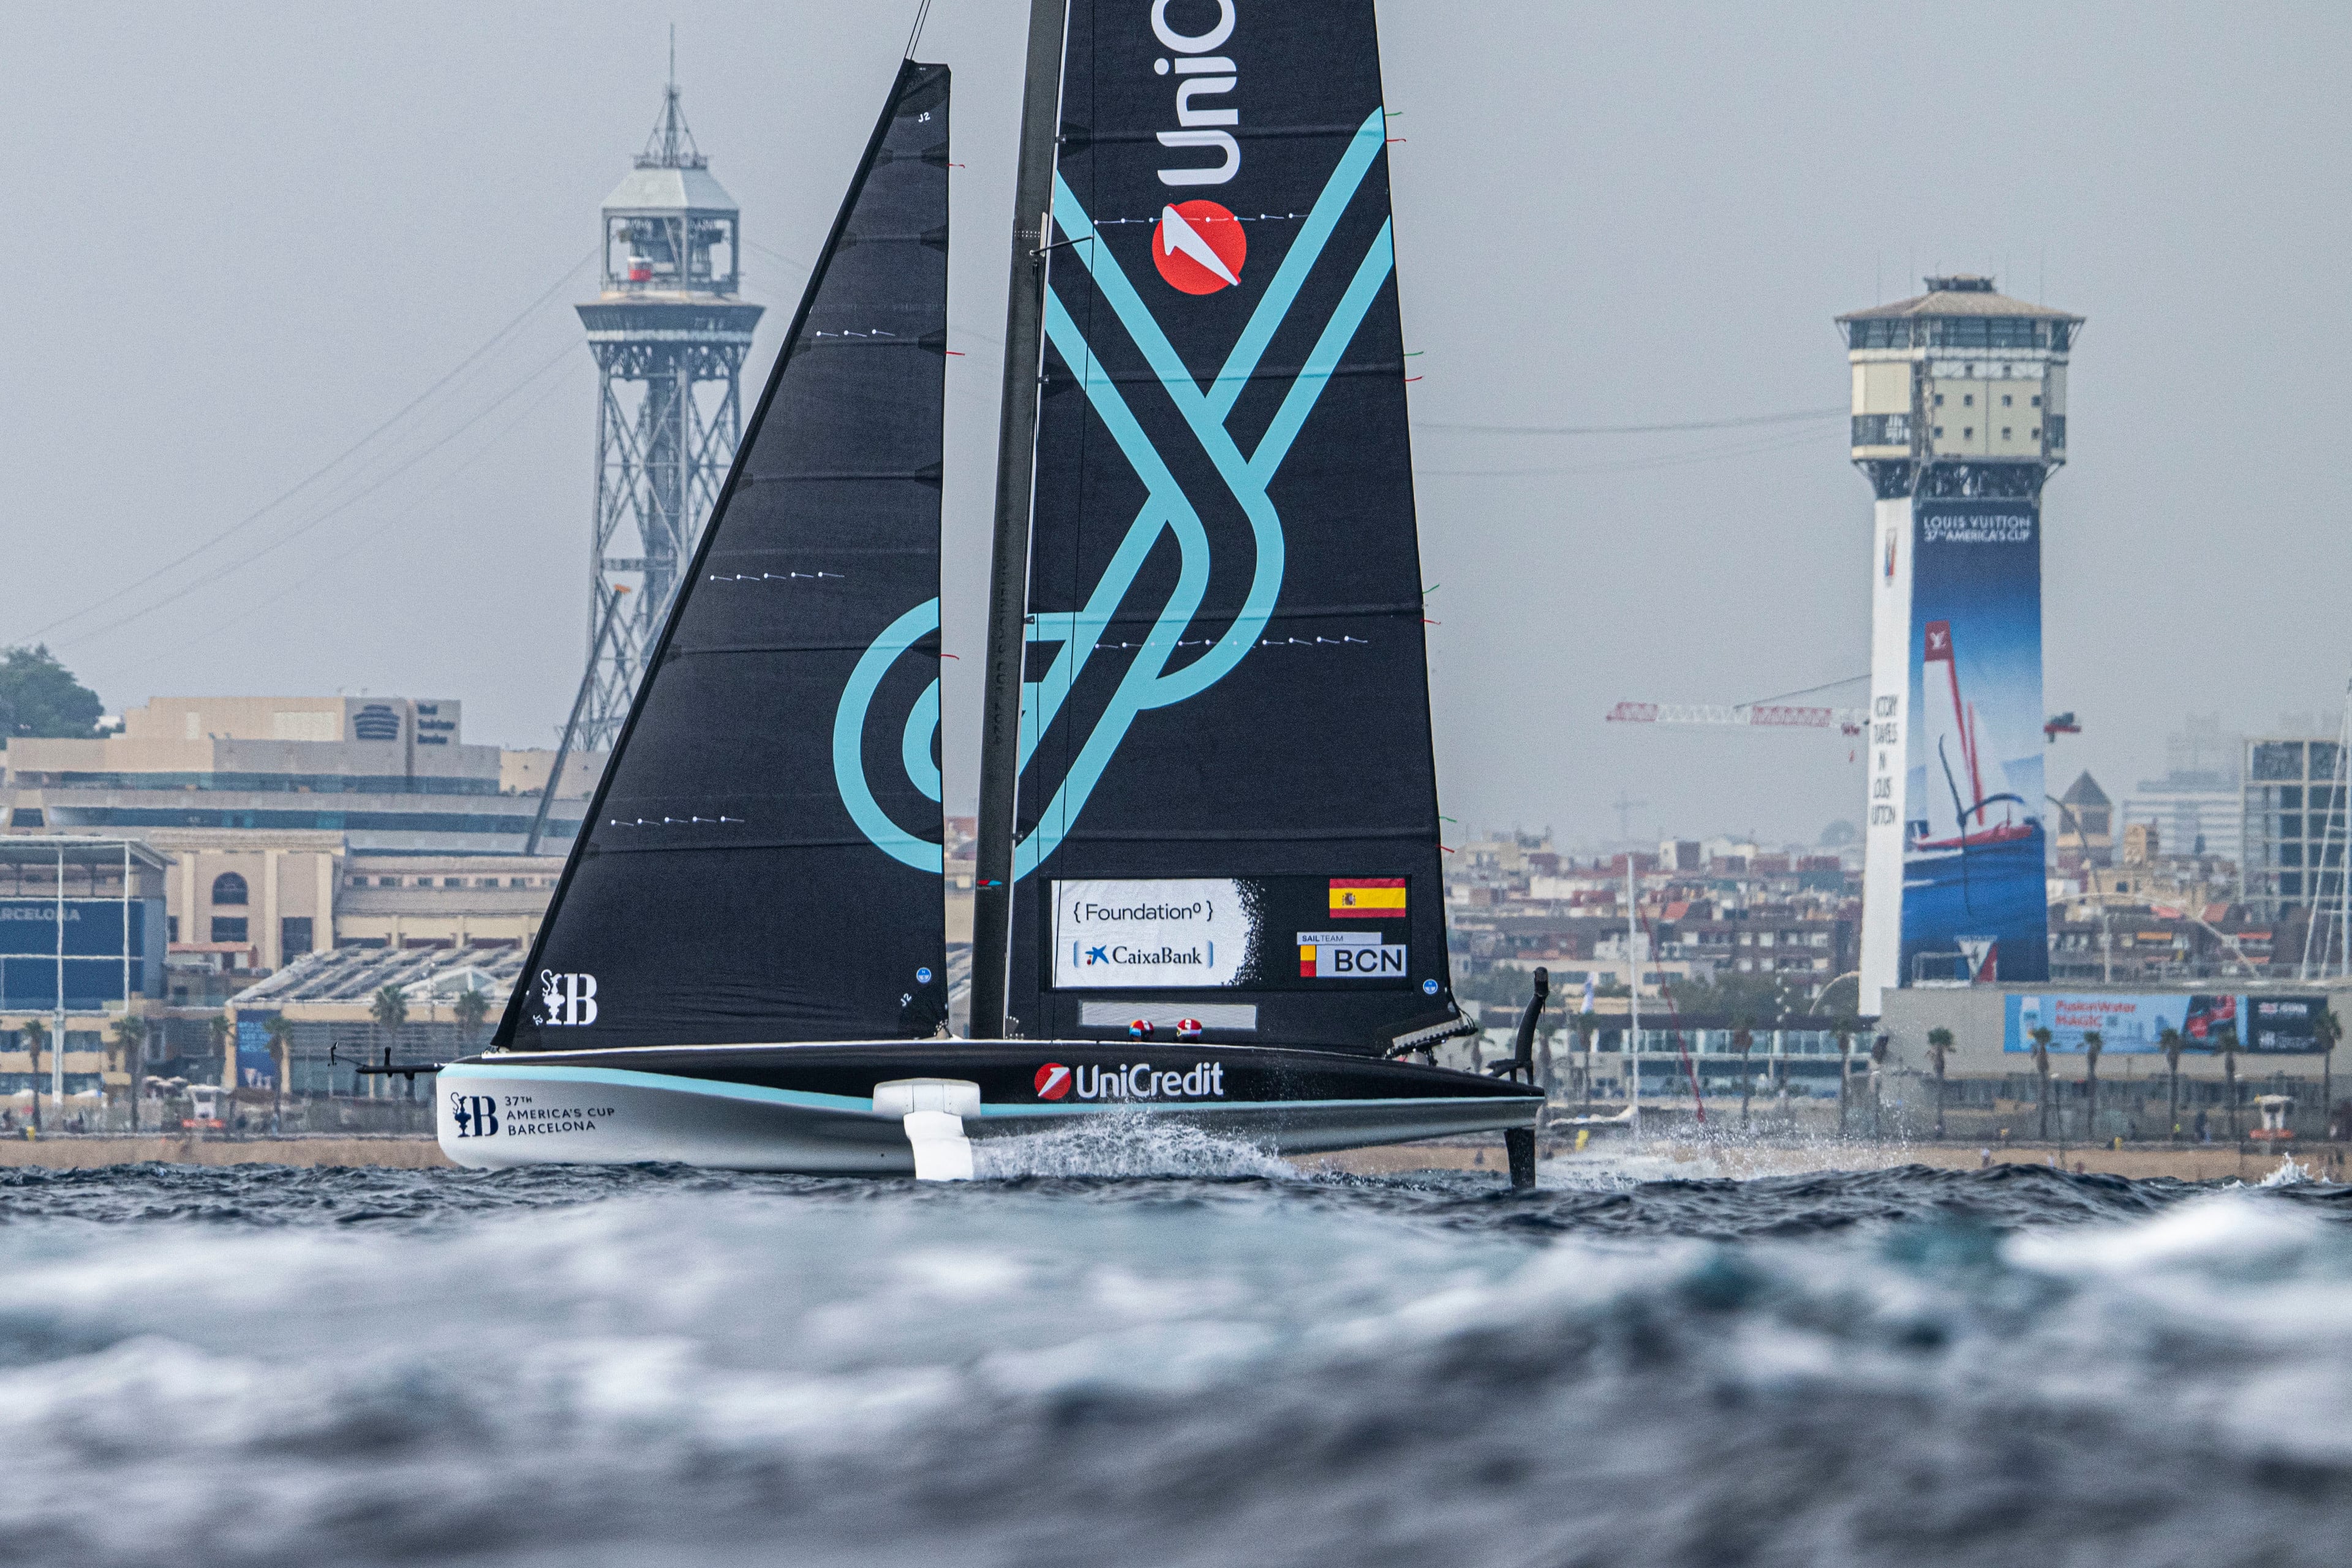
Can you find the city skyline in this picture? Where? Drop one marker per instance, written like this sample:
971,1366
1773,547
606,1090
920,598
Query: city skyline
268,195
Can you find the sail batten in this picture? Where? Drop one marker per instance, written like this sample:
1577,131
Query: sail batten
762,861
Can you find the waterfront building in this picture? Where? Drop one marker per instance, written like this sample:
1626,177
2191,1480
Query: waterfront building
2198,804
289,825
1992,1028
2085,827
81,948
2291,814
1959,419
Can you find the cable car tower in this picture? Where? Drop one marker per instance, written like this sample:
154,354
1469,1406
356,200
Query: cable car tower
669,337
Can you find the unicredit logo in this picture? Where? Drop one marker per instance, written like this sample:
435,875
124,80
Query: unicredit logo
1141,1081
1052,1081
1199,246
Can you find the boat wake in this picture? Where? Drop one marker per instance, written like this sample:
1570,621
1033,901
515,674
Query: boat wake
1125,1143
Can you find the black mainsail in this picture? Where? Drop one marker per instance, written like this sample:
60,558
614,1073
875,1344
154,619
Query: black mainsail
1227,817
762,862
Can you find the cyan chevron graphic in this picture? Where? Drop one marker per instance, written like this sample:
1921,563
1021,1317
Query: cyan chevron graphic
1148,682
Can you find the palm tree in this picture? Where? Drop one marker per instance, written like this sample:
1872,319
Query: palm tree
282,1050
37,1035
2093,1043
1939,1044
1588,1025
130,1041
1881,1047
2041,1039
1743,1040
471,1007
218,1030
388,1009
2327,1029
1843,1028
2169,1039
2225,1040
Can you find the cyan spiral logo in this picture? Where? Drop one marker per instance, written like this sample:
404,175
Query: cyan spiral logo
915,742
1148,683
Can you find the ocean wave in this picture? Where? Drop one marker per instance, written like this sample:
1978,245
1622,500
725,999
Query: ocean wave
628,1367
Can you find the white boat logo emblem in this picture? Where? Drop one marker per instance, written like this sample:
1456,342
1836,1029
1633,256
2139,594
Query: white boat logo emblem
566,1001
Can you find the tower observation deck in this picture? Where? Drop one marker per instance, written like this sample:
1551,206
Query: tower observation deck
669,337
1959,416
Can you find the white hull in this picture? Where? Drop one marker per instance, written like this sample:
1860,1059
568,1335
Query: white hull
541,1114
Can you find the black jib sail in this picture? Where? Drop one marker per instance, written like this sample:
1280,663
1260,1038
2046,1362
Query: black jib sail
1228,812
762,862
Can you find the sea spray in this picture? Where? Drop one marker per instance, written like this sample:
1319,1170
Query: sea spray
1126,1143
2287,1174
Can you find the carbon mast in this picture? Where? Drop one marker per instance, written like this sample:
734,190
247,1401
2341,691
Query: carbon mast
1008,590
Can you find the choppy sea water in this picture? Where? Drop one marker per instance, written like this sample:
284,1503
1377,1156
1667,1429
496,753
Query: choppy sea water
1235,1365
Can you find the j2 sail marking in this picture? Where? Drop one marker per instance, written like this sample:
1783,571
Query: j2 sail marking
1148,683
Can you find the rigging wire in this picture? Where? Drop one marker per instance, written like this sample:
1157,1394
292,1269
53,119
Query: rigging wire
1808,691
922,14
1795,416
773,254
375,535
323,469
1680,459
344,505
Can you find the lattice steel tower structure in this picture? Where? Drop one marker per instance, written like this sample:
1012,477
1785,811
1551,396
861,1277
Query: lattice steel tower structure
669,337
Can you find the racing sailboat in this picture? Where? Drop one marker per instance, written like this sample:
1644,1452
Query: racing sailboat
1208,886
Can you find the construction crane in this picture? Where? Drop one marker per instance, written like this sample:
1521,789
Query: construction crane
1777,716
1754,715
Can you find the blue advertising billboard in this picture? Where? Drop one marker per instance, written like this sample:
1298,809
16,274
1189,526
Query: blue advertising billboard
255,1068
96,942
1973,848
2280,1022
2134,1025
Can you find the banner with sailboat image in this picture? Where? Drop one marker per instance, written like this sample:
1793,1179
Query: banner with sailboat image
1226,675
1974,902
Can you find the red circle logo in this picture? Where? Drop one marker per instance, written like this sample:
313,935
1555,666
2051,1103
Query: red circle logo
1052,1081
1199,246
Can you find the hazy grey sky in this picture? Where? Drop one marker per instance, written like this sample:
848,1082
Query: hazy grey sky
249,234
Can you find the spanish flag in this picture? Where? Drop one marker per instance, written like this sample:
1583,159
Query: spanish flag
1367,897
